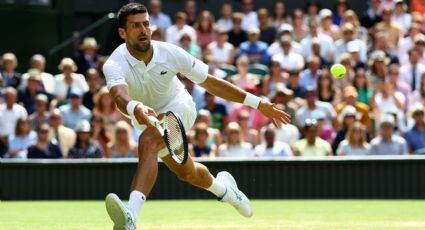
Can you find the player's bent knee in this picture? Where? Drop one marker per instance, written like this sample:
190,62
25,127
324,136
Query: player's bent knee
151,141
186,176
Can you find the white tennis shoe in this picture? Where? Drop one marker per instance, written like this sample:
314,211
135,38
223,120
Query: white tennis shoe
119,213
233,195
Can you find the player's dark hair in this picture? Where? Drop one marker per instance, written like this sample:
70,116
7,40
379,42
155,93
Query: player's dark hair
129,9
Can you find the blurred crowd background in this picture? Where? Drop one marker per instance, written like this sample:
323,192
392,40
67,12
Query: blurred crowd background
284,57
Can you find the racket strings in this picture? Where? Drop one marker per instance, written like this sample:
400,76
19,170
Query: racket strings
175,137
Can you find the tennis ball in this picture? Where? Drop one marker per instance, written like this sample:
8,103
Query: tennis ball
338,71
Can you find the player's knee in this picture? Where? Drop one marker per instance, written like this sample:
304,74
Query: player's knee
150,140
186,176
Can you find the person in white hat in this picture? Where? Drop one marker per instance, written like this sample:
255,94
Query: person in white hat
8,74
387,143
68,79
255,49
415,137
88,56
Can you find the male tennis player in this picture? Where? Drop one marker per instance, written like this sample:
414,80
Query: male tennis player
141,77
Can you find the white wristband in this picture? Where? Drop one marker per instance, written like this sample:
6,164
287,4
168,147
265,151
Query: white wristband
252,100
131,106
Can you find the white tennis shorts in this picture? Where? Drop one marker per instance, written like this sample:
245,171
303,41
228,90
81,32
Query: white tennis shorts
184,107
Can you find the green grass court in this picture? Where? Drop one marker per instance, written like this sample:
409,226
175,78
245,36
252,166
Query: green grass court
209,214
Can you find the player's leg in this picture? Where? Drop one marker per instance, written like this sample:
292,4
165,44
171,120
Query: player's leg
124,216
223,186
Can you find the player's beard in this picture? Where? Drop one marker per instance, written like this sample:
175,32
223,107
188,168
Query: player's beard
141,48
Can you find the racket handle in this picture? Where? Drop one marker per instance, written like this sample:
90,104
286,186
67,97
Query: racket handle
153,120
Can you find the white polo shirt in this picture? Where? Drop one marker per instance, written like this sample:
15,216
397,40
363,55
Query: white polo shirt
155,84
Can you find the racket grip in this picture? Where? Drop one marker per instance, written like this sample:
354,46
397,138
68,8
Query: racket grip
153,120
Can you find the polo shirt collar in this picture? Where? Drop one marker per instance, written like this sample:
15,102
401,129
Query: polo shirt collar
156,58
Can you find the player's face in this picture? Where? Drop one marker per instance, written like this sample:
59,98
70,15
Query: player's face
137,33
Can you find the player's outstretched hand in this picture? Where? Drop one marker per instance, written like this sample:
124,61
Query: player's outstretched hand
277,116
141,112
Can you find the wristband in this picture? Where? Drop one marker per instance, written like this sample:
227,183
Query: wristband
131,106
251,100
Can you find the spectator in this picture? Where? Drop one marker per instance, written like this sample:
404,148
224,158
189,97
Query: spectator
205,29
214,135
411,72
326,43
190,11
277,48
44,147
213,68
288,60
325,131
38,62
222,51
311,9
93,80
237,35
105,106
355,142
283,96
347,61
157,34
316,52
311,74
26,96
293,83
350,16
415,137
271,147
326,91
186,43
250,17
74,112
300,29
267,31
235,146
353,50
349,33
312,104
225,22
381,42
279,16
179,27
373,14
68,79
346,119
200,146
388,143
157,17
21,140
122,144
99,133
400,86
40,115
327,27
255,50
218,112
195,90
311,145
407,42
10,112
65,137
393,30
419,94
400,16
350,98
85,146
339,8
362,85
87,57
9,76
243,78
250,135
274,77
386,100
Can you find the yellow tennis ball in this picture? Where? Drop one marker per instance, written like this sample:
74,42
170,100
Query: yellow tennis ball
338,71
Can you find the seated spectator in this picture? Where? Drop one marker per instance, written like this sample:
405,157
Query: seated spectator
386,100
122,144
325,41
274,77
309,76
65,137
325,131
21,140
363,87
10,112
377,66
214,135
355,142
157,34
74,112
250,135
200,146
350,98
38,62
419,94
316,50
93,81
40,116
250,17
44,147
347,118
85,146
253,48
267,31
157,17
387,143
218,111
284,33
415,137
225,21
68,79
327,27
399,86
9,77
272,147
311,9
236,34
105,106
213,67
180,26
243,77
349,33
284,97
300,29
26,96
235,146
205,29
392,29
326,90
279,16
350,16
401,16
99,133
185,42
222,51
293,83
311,145
87,57
288,58
412,71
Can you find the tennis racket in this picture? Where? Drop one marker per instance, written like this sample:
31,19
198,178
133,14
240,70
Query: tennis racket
172,131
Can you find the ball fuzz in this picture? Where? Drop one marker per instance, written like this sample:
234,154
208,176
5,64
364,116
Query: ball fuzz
338,71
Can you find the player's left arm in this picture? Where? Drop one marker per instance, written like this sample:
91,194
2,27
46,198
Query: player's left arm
230,92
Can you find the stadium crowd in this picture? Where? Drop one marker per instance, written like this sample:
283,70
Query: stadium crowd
284,57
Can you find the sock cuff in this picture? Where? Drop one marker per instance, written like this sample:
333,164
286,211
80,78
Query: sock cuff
137,195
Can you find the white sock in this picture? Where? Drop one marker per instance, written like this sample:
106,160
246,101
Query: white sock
135,202
217,187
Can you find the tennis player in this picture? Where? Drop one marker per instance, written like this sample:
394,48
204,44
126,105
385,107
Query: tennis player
141,77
